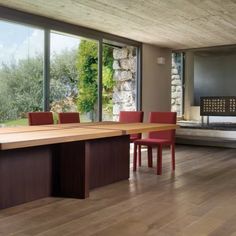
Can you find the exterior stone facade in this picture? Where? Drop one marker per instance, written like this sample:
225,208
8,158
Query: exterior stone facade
124,92
176,85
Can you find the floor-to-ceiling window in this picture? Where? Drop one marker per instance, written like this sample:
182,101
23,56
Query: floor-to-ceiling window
177,83
119,80
21,72
44,69
74,75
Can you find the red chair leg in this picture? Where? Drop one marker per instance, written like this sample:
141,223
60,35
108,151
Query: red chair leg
150,157
159,159
135,157
139,155
173,156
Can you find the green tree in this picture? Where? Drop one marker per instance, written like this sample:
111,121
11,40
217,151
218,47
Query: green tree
21,88
107,78
87,64
87,61
21,84
63,75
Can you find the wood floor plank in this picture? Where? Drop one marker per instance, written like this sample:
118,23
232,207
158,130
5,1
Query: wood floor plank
198,199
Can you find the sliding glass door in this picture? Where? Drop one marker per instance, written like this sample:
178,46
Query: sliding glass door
73,75
42,69
119,80
21,72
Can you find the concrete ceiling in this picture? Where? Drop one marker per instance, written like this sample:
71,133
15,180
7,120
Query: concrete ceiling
176,24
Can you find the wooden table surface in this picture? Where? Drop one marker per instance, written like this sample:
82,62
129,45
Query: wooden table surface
19,137
30,139
133,128
22,129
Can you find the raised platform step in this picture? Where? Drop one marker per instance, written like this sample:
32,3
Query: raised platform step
206,137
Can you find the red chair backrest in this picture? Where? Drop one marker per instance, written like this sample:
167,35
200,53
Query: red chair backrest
131,117
165,118
68,117
40,118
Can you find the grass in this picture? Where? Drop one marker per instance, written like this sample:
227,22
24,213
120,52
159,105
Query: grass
24,121
18,122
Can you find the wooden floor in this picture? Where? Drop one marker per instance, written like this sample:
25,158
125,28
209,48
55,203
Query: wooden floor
199,199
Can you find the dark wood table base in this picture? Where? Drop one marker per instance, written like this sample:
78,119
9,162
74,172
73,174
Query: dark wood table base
62,170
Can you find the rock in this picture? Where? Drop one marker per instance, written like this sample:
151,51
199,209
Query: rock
176,82
174,71
116,88
128,64
175,77
115,117
176,95
127,96
133,64
125,64
127,86
120,53
173,62
132,52
122,75
116,109
126,75
176,108
116,75
116,97
116,65
178,88
178,101
173,89
129,107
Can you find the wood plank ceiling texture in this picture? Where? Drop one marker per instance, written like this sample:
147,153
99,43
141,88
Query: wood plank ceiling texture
176,24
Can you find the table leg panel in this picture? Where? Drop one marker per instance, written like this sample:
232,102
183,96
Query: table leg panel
71,168
109,160
25,175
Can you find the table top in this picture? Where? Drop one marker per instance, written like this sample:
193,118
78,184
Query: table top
22,129
133,128
19,137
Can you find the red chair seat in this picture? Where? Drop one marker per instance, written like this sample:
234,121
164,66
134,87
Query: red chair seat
157,139
134,137
153,142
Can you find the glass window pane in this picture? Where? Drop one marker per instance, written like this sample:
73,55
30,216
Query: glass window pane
177,89
74,75
21,72
119,80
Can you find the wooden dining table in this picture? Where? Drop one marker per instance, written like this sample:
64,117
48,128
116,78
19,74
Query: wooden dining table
64,160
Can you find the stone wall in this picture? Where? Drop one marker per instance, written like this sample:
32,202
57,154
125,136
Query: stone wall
176,85
124,92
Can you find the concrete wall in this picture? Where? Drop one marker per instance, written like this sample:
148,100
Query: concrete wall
211,69
156,84
214,75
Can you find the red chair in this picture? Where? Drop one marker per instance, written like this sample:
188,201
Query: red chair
158,139
132,117
68,117
40,118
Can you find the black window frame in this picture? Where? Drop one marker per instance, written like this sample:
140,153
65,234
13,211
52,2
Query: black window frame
48,25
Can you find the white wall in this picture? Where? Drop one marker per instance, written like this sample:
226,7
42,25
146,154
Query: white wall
156,84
